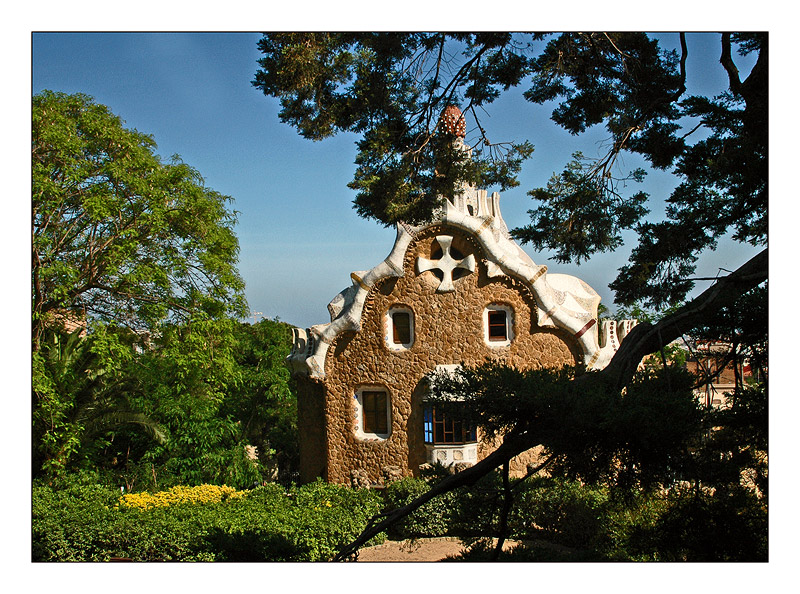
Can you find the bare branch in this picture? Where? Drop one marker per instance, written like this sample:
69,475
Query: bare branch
684,54
727,63
614,45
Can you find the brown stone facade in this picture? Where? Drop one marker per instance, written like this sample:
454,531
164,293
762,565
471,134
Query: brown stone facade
448,328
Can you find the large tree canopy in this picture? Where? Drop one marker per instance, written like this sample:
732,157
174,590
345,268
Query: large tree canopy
392,88
117,234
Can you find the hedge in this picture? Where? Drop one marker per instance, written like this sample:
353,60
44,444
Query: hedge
93,523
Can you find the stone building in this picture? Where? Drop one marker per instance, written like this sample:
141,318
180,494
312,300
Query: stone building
711,359
455,290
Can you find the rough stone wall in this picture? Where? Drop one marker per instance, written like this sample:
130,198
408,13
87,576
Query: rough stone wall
448,329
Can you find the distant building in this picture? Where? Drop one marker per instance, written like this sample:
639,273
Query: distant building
710,359
67,320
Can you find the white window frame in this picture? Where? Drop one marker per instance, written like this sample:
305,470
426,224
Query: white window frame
389,326
358,403
509,311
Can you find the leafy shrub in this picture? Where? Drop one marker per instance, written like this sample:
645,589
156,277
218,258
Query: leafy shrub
699,526
562,511
310,523
432,519
466,511
479,507
73,523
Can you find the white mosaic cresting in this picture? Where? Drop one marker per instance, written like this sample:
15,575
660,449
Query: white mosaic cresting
563,301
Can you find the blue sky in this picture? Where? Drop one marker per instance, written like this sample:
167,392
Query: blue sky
299,235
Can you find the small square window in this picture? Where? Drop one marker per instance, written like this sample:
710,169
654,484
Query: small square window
399,327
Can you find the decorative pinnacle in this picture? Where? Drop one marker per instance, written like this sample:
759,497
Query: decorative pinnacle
453,121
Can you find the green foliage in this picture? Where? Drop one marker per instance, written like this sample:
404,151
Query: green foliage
262,400
80,392
80,522
577,218
72,523
733,456
215,387
621,467
499,396
633,438
638,91
561,511
557,519
186,374
587,519
700,526
563,520
467,512
435,518
117,233
176,407
622,464
392,88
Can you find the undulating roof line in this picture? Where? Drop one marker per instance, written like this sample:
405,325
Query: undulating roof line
564,301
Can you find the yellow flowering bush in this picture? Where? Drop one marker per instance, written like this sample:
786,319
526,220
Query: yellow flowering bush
180,494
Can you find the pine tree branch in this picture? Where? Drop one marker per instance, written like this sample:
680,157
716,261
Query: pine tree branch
646,338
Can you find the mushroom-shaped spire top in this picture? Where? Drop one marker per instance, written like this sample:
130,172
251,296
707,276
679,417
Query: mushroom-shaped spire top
453,121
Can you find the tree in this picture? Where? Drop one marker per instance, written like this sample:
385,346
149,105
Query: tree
389,88
392,89
117,234
81,391
187,374
262,399
220,391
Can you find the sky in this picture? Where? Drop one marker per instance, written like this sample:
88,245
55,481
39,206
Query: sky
299,236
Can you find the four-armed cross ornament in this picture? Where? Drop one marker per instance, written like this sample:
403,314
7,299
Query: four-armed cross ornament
446,264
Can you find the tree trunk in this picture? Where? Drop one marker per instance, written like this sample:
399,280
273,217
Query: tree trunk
508,498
